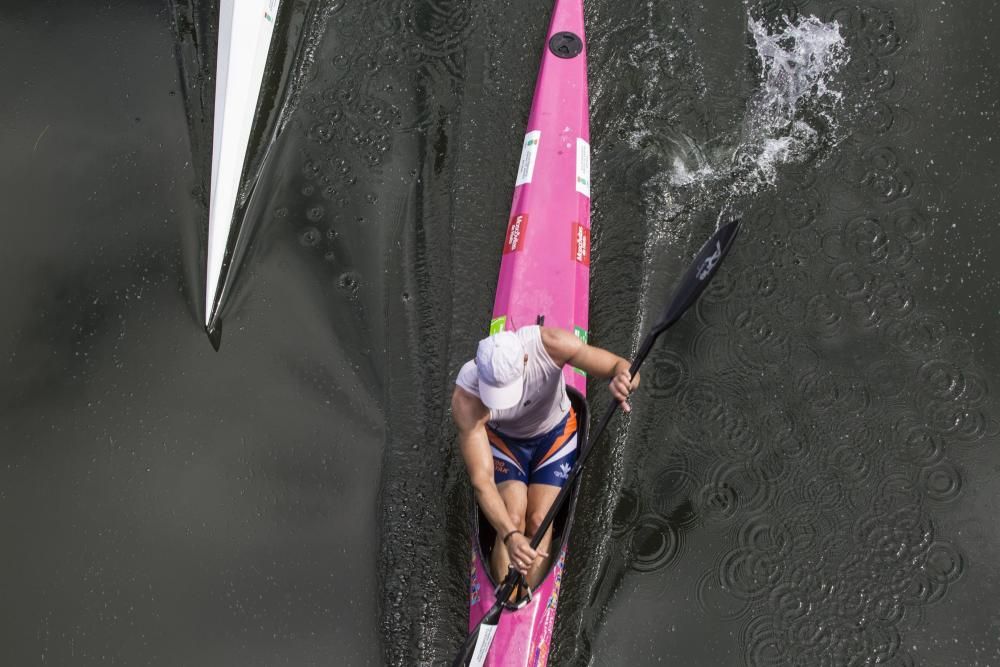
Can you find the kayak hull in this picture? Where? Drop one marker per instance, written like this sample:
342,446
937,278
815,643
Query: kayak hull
544,279
246,29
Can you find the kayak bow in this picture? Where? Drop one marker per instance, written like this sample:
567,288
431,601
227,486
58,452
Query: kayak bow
544,279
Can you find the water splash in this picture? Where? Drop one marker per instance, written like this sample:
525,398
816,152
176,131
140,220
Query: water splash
792,115
798,62
790,119
681,175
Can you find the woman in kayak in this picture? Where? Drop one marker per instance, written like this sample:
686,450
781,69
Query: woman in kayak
517,431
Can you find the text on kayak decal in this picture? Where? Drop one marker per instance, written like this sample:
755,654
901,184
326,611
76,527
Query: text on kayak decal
529,152
581,244
515,233
583,167
271,10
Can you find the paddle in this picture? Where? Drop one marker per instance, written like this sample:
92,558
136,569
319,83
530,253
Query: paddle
706,263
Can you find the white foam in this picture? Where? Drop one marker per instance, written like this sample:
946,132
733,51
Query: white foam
681,175
798,60
789,116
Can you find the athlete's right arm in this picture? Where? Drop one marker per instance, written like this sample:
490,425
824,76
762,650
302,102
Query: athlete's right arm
470,417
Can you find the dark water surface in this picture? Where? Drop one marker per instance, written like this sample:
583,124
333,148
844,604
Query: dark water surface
810,475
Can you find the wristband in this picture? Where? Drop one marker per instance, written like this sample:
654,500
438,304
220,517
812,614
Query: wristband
508,536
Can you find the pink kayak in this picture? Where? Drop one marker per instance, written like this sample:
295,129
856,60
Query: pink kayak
544,278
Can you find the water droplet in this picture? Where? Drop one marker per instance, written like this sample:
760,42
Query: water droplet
349,281
315,214
309,237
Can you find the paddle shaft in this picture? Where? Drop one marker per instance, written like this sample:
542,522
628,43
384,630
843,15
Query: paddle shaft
609,413
693,283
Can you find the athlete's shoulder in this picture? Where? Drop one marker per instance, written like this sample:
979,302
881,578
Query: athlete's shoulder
560,344
467,408
468,378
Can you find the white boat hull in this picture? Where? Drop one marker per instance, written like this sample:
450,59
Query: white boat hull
245,31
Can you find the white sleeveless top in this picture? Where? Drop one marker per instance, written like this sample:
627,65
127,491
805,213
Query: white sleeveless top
544,402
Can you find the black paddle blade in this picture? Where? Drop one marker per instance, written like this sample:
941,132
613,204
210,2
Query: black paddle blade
696,279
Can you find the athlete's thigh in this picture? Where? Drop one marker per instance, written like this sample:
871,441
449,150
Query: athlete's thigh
540,499
515,497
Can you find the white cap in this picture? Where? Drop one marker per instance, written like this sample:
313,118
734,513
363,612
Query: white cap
500,362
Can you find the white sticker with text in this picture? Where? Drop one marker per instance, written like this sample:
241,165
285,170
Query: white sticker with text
583,167
529,153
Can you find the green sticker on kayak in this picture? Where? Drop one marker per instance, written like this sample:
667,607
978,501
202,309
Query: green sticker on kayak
581,333
498,325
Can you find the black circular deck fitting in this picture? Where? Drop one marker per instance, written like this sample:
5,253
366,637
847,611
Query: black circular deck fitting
566,44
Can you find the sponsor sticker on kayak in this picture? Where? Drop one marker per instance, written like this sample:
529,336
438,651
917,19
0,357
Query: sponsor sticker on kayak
474,584
515,233
581,244
272,9
483,643
583,167
582,334
529,153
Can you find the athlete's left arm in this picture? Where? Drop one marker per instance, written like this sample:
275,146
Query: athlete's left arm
566,348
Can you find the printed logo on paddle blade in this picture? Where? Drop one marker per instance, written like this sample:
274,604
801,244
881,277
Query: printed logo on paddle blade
515,233
710,262
581,244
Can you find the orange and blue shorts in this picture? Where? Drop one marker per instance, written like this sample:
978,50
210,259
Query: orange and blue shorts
543,459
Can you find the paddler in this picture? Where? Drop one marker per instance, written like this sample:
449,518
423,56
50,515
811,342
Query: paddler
517,431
